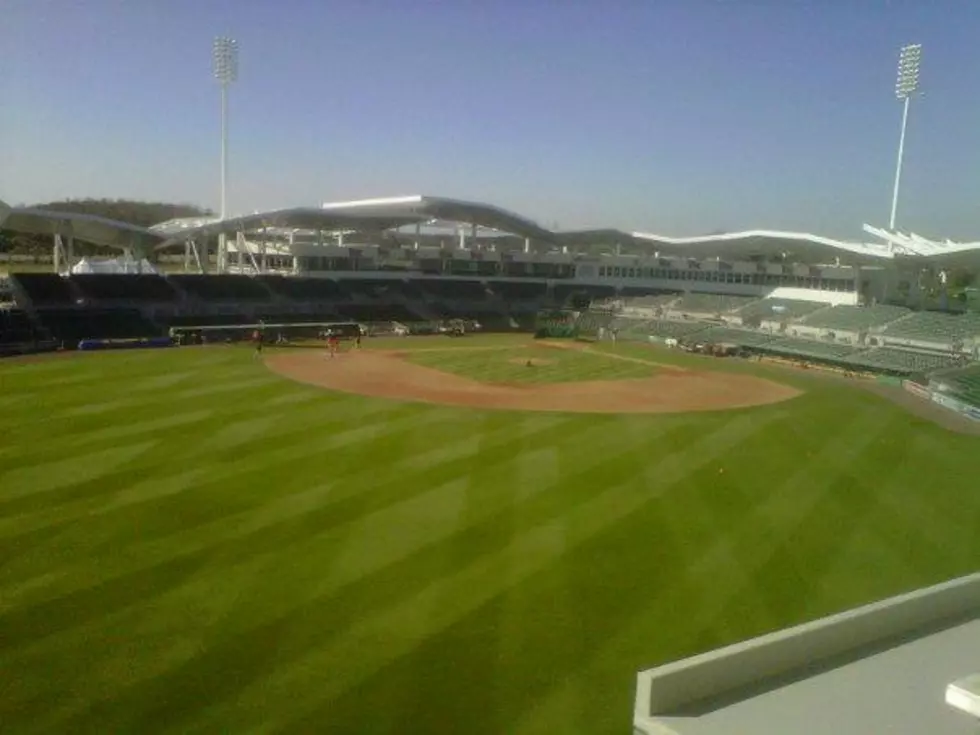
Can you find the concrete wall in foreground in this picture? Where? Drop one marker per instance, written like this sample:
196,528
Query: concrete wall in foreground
668,688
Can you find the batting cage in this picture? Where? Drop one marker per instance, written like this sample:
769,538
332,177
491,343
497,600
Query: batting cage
558,323
594,323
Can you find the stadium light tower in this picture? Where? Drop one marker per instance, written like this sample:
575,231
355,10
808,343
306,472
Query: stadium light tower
225,65
906,85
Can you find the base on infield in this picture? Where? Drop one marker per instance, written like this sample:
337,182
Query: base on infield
386,375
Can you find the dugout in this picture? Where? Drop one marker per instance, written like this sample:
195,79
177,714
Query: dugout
271,333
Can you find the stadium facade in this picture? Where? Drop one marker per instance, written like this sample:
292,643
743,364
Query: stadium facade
438,236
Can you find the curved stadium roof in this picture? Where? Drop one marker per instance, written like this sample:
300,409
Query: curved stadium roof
380,215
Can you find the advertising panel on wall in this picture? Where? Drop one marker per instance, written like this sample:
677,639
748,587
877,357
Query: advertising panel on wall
916,389
965,409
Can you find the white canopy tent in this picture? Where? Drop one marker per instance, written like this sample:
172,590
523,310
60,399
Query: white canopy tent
116,265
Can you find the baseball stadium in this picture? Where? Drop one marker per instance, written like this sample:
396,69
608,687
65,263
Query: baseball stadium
548,481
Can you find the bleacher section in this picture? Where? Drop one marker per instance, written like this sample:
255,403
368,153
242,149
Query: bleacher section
378,313
710,303
964,384
468,290
302,289
124,287
16,327
779,309
85,306
854,318
44,289
511,292
656,328
810,348
902,361
935,327
221,287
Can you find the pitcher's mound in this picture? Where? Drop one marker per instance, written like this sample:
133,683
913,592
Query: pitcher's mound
384,375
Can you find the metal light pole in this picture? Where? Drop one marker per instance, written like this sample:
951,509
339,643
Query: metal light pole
225,64
905,86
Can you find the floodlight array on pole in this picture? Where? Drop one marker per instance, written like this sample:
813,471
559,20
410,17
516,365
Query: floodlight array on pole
906,85
225,67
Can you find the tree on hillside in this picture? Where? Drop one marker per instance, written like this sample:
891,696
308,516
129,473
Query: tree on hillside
142,214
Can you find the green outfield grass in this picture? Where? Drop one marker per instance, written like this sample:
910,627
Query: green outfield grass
190,544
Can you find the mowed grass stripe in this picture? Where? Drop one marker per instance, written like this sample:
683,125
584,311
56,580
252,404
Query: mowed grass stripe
394,631
320,412
735,558
247,574
385,486
252,573
73,539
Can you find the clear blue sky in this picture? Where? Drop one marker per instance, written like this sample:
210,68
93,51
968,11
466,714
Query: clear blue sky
673,116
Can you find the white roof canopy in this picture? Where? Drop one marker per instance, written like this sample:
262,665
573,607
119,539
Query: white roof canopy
386,214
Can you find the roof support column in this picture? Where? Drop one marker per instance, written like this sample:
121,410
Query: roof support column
619,249
264,262
200,249
340,238
473,235
56,253
222,252
462,239
418,234
187,255
527,244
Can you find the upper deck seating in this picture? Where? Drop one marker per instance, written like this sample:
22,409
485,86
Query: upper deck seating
903,360
779,309
652,301
935,326
854,318
710,303
965,384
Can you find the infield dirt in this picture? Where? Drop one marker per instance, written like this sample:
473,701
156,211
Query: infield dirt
389,375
